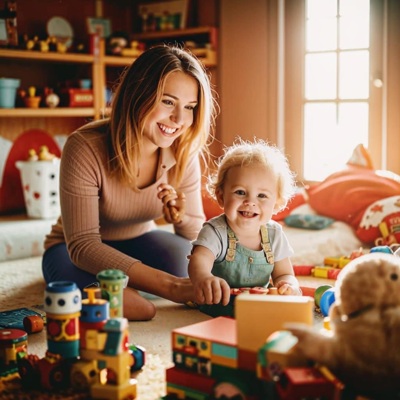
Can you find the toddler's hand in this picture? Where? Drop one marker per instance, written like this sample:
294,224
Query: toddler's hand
288,289
174,204
212,290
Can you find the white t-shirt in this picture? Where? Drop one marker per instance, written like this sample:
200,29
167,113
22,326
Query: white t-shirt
214,236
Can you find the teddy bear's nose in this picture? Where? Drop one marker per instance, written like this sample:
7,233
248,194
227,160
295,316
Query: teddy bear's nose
394,277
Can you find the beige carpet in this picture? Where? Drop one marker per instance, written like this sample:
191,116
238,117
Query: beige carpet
21,284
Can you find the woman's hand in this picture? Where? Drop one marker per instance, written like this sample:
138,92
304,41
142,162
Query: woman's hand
174,203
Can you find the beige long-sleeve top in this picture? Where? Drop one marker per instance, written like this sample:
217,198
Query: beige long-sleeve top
96,206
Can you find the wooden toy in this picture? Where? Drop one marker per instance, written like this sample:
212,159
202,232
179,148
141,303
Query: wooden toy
13,345
87,350
112,282
244,357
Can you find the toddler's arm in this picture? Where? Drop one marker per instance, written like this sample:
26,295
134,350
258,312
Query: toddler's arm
284,279
208,289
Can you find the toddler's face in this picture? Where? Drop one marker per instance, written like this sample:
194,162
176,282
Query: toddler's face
248,196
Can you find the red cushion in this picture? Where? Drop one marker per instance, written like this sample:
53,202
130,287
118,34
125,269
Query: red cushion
346,195
297,200
210,206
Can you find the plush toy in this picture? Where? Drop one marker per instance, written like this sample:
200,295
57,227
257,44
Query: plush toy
363,346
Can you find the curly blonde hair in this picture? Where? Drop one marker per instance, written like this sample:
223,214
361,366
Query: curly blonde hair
259,152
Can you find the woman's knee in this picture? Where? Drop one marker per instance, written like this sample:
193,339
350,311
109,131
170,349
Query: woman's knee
137,308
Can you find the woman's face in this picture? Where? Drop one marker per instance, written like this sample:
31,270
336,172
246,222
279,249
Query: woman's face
174,114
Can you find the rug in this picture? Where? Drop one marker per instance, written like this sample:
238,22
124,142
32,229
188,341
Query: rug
22,285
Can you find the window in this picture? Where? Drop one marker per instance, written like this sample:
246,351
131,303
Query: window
336,83
333,83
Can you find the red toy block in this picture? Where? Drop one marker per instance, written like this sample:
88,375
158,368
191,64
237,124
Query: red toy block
297,383
182,377
302,270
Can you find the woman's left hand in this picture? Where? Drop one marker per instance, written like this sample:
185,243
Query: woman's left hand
174,203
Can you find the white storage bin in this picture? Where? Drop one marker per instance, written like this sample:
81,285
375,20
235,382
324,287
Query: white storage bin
40,184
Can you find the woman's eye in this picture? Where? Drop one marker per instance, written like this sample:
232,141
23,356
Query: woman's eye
168,102
190,108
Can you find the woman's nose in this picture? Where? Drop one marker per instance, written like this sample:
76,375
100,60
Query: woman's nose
177,115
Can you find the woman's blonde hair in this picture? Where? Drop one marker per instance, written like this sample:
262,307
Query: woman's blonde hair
245,153
139,91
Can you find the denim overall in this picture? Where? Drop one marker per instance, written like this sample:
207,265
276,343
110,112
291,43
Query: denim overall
242,267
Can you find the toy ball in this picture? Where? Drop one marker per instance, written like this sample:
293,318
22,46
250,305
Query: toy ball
327,299
381,249
319,291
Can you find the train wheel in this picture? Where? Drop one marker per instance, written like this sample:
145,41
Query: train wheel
27,369
227,391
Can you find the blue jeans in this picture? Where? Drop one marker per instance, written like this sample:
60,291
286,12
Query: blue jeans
159,249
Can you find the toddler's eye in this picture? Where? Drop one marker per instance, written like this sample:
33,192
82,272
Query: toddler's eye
240,192
262,196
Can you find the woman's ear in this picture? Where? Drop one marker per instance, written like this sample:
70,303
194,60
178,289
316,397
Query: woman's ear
219,195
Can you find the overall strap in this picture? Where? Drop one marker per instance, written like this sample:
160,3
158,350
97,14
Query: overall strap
266,245
230,254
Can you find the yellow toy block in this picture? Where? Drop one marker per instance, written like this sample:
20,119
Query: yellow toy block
259,316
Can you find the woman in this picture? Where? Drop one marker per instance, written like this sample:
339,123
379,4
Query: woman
120,174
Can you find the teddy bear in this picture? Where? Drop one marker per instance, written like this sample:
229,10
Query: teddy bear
362,347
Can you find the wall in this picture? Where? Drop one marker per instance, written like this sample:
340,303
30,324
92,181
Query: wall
244,71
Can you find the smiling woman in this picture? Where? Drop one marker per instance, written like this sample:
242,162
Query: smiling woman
120,174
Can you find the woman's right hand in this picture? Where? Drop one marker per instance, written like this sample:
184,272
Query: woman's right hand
212,290
174,203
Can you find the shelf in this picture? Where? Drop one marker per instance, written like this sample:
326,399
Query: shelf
47,56
47,112
202,30
120,61
99,63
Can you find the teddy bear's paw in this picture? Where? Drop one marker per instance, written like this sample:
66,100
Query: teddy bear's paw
311,343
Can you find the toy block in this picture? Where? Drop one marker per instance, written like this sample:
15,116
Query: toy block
278,353
302,270
218,330
247,359
182,378
300,383
127,390
322,271
308,291
225,361
259,316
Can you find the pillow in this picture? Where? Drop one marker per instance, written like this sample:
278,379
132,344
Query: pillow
297,200
210,206
345,195
380,224
308,221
